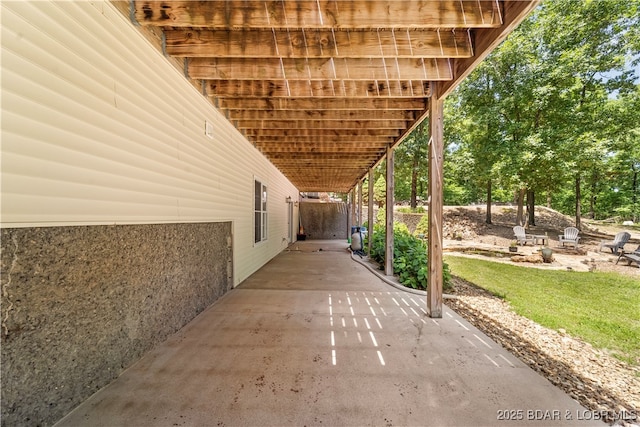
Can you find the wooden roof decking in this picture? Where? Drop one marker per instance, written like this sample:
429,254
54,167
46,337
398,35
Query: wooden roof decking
323,87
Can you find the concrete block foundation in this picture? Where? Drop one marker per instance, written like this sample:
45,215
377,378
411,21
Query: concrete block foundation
82,303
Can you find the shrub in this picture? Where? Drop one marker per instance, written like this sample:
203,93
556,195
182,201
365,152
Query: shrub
409,256
423,226
417,209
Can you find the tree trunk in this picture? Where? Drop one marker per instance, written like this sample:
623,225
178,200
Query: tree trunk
578,213
549,199
593,196
488,219
520,214
634,193
531,206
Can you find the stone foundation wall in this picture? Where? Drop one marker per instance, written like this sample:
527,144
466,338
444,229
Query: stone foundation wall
410,219
324,221
80,304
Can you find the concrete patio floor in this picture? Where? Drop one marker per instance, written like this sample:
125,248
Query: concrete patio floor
314,338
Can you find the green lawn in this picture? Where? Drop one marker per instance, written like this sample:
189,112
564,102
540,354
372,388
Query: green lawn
603,309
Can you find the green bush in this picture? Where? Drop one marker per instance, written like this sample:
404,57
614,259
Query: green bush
406,209
409,256
423,226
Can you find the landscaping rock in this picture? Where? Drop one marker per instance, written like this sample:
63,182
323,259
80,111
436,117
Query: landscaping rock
535,259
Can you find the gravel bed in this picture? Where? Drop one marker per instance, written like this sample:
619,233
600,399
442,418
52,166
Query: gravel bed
596,380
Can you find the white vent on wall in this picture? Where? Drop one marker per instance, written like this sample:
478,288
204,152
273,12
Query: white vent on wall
208,129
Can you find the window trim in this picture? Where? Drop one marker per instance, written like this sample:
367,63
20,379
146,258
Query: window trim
260,211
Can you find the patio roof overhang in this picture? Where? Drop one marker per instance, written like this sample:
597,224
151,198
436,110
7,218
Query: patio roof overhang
324,87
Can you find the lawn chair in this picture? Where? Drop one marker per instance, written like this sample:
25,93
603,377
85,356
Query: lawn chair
570,237
618,242
521,236
630,256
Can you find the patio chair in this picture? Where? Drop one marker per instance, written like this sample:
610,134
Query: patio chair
618,242
521,236
570,237
630,256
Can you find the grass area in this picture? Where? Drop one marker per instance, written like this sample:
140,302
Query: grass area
603,309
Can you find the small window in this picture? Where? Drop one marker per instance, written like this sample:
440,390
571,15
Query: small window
260,212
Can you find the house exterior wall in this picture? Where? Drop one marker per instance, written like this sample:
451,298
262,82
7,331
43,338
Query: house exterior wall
98,128
100,131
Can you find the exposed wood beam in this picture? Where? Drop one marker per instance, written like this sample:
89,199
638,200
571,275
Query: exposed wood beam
325,158
321,115
319,14
314,170
341,134
323,150
311,178
403,43
359,141
320,69
311,184
321,124
318,88
322,104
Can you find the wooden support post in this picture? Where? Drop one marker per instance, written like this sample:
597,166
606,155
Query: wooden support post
353,210
388,263
436,148
349,215
370,210
360,203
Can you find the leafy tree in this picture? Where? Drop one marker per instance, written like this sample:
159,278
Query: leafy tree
580,55
380,191
540,114
411,159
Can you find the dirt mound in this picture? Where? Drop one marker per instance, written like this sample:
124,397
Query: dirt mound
469,222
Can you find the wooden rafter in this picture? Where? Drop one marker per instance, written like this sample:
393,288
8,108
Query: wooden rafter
318,88
323,149
321,104
326,157
320,124
321,115
353,142
433,69
308,44
343,134
319,14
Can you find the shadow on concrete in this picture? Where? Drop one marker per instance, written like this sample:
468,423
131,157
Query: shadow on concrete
314,338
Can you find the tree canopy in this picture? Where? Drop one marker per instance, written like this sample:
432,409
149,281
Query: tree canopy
553,111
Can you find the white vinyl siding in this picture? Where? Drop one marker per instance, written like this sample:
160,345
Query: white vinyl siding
99,128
